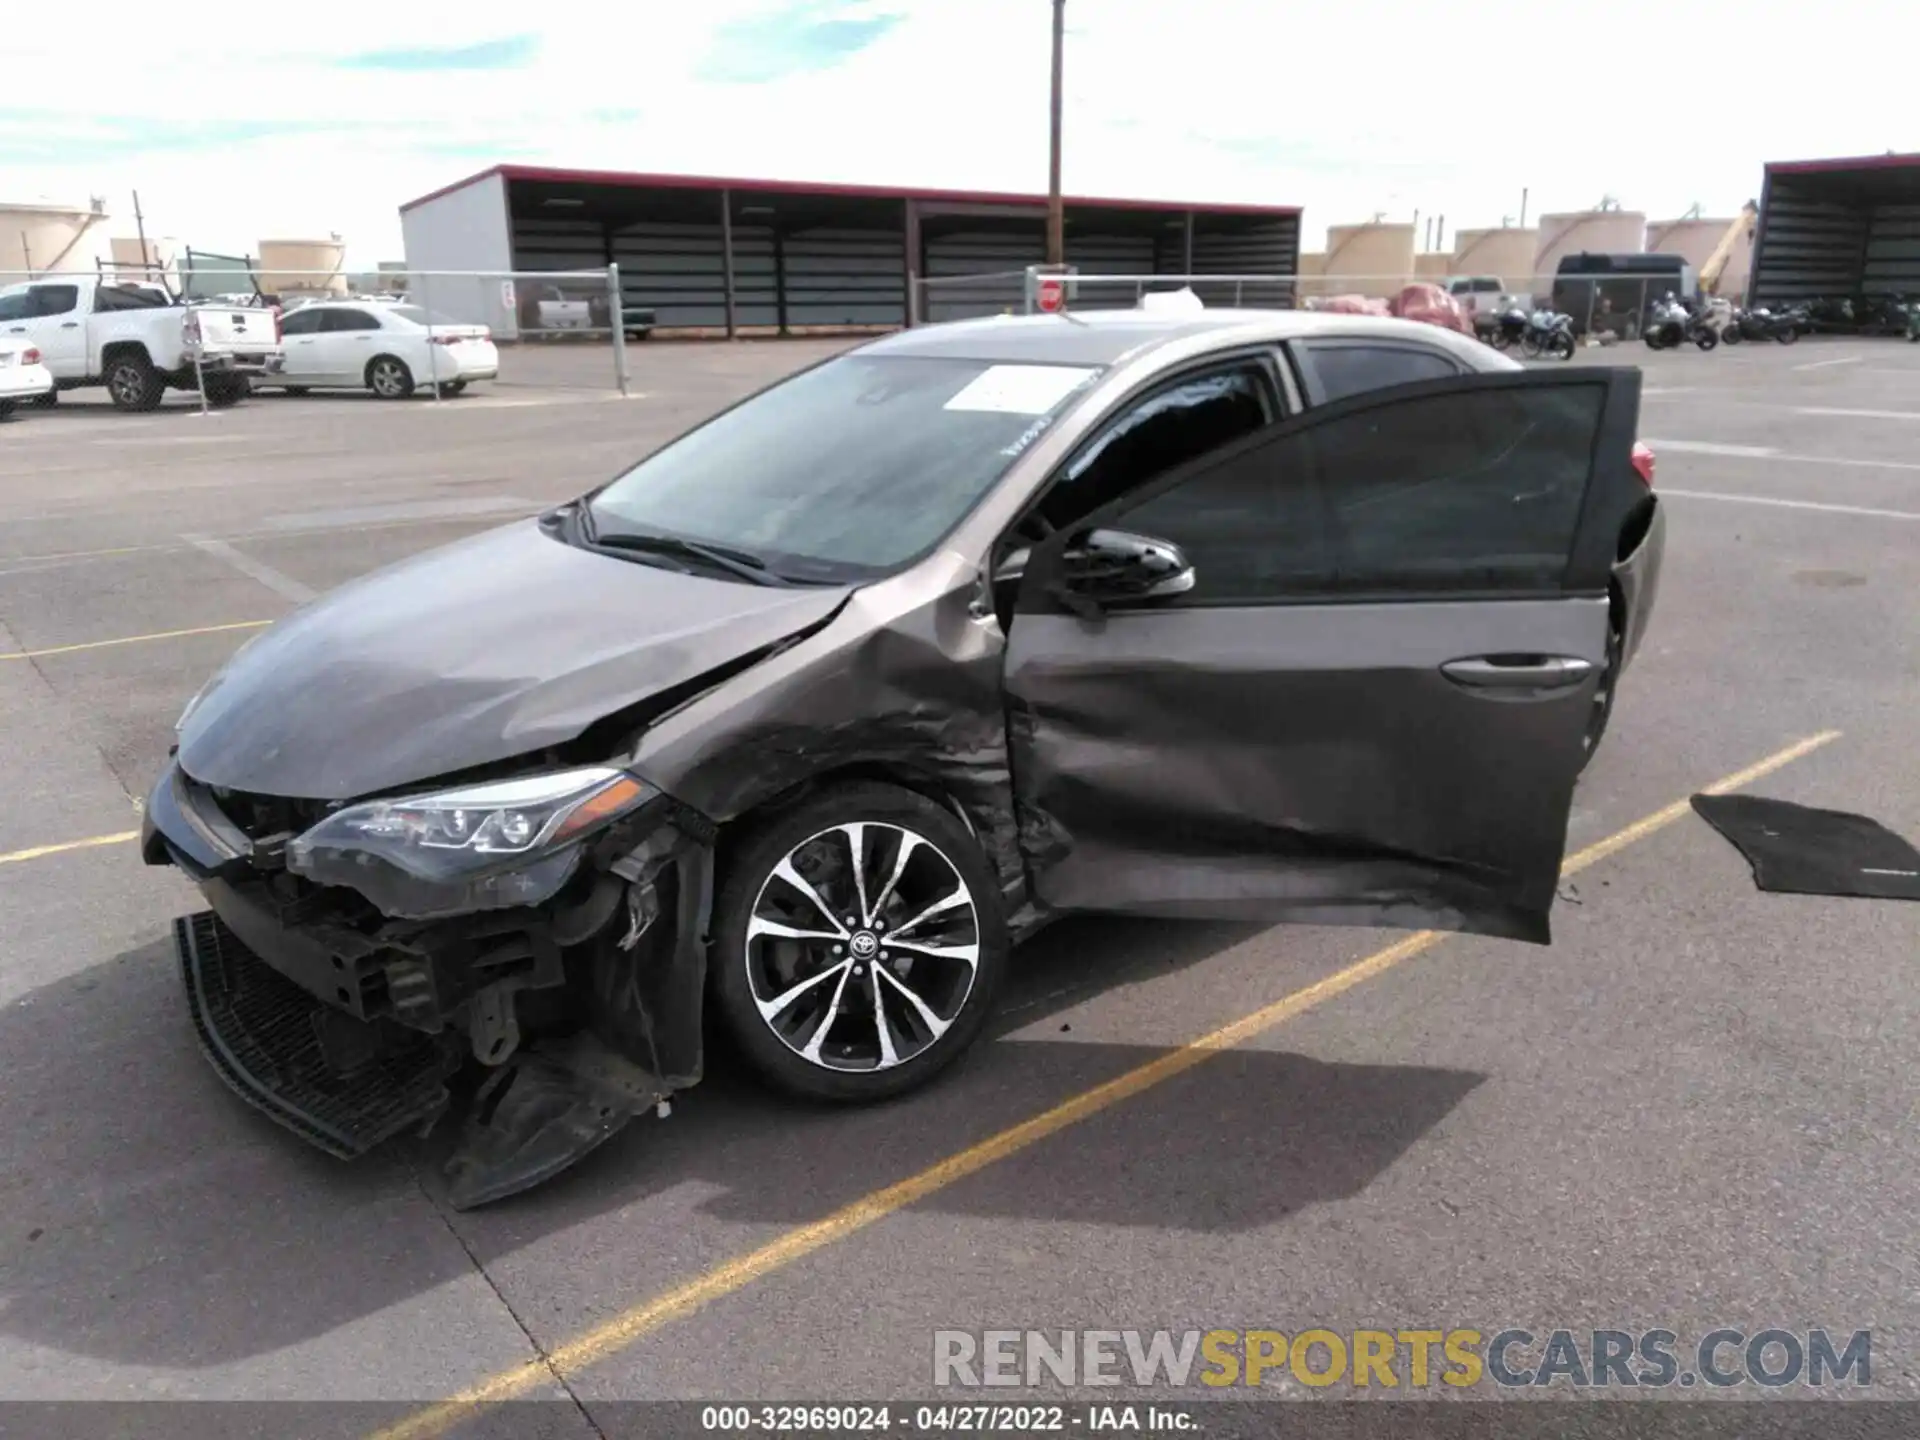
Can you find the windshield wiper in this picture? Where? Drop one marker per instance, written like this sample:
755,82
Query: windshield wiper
743,563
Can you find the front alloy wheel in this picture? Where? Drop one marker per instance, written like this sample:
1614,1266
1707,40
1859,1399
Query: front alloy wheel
859,944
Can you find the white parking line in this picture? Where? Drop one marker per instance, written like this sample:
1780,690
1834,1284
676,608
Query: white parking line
1792,504
280,583
1862,414
1823,364
1709,447
1761,452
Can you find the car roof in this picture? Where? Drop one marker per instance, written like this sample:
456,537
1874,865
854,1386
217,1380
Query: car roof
1108,337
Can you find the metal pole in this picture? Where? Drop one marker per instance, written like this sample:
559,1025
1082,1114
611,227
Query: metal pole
726,257
200,379
1186,245
1030,291
140,229
1056,207
619,314
1523,208
26,254
1440,239
433,358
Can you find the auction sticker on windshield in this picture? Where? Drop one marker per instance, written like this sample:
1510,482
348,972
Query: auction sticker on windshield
1020,389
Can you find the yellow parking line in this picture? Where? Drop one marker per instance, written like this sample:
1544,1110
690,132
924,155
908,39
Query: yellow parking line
622,1330
134,639
119,837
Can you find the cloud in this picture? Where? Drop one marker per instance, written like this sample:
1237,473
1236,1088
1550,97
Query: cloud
793,39
1361,110
509,53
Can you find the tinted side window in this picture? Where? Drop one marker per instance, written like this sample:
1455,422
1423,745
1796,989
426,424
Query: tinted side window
302,322
1335,372
54,299
1251,525
15,306
1161,432
1469,491
335,321
109,298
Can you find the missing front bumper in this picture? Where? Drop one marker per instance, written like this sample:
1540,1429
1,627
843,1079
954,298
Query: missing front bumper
342,1084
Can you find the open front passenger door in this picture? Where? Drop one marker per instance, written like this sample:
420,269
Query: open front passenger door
1337,672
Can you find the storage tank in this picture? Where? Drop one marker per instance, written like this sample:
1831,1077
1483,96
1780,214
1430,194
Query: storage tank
1434,267
1371,259
1505,252
1600,232
303,267
39,236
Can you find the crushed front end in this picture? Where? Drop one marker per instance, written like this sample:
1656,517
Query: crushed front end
359,963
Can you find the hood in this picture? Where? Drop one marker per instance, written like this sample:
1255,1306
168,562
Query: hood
476,652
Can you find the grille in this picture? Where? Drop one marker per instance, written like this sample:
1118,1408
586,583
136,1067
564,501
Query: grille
342,1084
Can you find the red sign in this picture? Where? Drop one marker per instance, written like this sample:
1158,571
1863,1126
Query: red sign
1052,295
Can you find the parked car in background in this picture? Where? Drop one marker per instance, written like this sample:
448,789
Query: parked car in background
389,349
1612,292
1478,295
138,340
814,711
22,377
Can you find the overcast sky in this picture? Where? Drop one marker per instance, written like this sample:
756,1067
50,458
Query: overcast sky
301,120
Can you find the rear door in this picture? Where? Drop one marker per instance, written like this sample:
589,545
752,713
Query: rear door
1369,707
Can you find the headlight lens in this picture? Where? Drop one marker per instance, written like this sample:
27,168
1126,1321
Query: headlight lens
479,847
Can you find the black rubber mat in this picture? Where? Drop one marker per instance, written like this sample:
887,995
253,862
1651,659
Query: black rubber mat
1796,850
265,1037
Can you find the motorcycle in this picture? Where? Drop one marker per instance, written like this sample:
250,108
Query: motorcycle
1548,333
1537,333
1672,324
1913,322
1764,324
1509,328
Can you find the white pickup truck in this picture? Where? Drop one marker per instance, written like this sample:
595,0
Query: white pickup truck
139,341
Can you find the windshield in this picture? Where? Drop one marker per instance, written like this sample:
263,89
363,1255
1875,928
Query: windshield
846,471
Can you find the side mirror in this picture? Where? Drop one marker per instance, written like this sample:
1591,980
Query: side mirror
1108,567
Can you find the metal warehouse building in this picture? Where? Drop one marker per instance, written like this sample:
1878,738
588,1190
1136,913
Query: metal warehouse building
777,256
1838,228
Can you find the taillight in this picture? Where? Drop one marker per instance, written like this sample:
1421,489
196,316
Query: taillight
29,357
1643,463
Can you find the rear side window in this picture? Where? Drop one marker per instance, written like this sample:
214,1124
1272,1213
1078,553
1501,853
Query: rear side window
302,322
1474,491
109,298
1336,371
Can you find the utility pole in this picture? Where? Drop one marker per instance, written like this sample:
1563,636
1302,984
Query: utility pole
140,229
1056,210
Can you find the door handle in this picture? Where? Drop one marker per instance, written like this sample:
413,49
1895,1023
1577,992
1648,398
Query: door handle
1518,672
16,329
69,324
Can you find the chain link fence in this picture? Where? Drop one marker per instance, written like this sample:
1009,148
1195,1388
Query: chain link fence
450,330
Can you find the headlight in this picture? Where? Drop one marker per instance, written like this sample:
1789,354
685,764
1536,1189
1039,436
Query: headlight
479,847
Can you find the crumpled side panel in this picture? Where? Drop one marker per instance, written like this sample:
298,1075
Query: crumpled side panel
912,688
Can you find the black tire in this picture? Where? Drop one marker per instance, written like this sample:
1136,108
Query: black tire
7,407
1654,342
1787,334
227,390
1732,335
46,401
388,377
133,384
1706,340
1560,345
451,388
747,964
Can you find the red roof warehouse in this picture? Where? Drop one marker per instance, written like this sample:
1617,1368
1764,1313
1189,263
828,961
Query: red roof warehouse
711,253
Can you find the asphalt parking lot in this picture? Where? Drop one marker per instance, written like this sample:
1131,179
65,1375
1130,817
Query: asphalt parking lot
1695,1109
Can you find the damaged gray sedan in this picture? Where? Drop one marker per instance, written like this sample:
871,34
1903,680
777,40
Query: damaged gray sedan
797,726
